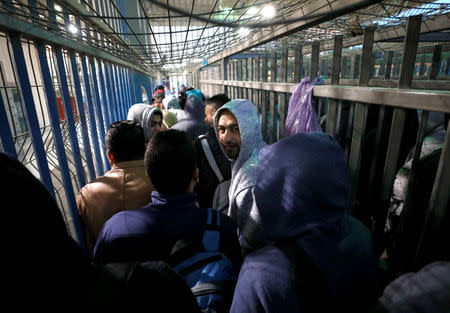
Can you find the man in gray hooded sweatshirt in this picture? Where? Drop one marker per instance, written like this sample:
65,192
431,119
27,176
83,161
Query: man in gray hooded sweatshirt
238,130
148,116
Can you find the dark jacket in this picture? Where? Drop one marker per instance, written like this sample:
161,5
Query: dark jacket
149,233
208,180
302,195
194,121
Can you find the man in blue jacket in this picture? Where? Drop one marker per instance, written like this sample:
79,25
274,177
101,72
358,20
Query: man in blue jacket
302,196
150,232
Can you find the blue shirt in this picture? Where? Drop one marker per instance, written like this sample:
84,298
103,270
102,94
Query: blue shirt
149,233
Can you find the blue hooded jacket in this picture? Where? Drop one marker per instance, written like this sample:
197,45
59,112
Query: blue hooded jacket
302,194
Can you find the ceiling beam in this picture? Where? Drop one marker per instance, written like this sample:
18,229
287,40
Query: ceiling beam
326,7
11,23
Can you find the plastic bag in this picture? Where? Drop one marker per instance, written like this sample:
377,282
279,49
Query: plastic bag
301,116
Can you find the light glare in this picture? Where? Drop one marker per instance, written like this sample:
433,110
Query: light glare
268,11
73,29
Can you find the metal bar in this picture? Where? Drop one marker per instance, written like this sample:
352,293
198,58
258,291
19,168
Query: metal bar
118,88
436,60
122,92
115,84
264,98
90,105
388,69
315,49
106,100
438,204
298,61
361,111
272,117
225,75
76,153
30,110
59,143
397,126
376,156
282,98
5,131
80,106
98,106
335,72
409,53
128,87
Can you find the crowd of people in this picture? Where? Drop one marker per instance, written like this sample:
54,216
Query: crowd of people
283,211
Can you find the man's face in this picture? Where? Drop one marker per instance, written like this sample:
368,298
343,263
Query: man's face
156,123
209,115
229,134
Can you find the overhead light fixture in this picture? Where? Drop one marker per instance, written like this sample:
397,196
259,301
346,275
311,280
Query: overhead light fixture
58,8
268,11
244,31
252,11
73,29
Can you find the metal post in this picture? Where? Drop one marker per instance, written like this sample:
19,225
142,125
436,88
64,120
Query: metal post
5,131
30,110
106,100
264,97
298,61
388,68
59,143
397,126
361,111
98,106
60,70
282,98
436,61
272,117
315,50
90,105
80,105
335,71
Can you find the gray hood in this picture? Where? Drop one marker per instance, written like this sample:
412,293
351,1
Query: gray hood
142,113
244,170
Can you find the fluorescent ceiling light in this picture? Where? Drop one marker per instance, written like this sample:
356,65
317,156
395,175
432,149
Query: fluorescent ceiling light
252,11
268,11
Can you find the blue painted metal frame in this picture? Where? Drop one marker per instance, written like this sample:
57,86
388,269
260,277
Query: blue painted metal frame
125,89
120,93
106,100
80,105
118,109
60,70
30,109
5,131
111,96
59,143
90,105
131,83
99,112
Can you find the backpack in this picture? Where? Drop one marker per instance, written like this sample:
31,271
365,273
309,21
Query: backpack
220,200
208,272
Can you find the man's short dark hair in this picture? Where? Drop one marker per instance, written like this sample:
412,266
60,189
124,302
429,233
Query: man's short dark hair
170,161
217,101
158,87
125,140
